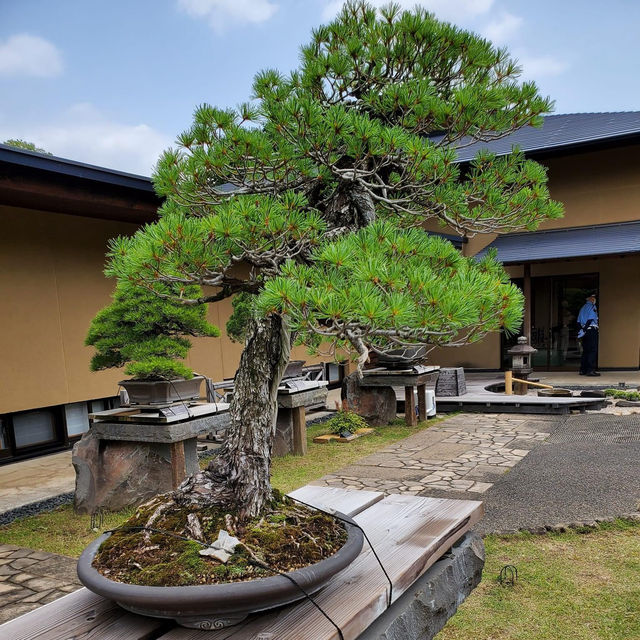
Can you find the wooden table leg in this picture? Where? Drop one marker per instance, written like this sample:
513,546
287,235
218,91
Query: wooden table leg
409,407
422,402
299,431
178,464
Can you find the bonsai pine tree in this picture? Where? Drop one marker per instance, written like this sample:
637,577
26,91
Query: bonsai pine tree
146,334
310,201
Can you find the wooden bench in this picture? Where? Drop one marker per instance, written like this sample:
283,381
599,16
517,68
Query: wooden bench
409,534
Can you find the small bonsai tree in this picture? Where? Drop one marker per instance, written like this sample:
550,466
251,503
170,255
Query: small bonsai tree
363,133
146,334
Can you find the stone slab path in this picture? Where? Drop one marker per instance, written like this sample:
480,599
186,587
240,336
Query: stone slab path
29,579
34,480
464,454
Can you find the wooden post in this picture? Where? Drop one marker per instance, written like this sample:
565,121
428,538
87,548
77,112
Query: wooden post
299,427
508,382
422,402
409,407
178,465
526,321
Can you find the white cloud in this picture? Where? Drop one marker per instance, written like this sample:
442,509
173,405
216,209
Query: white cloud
534,67
85,134
503,28
453,10
222,13
24,54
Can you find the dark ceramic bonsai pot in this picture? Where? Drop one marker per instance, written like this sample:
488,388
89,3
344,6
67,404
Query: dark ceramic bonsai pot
399,358
162,391
221,605
293,369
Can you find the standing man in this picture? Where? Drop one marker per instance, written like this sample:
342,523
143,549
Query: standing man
588,322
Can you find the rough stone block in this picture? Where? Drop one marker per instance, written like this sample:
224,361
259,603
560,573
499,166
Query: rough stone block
451,382
377,405
423,610
113,475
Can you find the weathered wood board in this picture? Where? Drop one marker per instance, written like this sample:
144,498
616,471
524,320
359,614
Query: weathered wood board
409,534
135,414
328,437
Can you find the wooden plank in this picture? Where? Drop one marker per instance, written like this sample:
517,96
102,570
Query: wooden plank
178,464
347,501
409,535
299,425
365,431
82,615
422,402
409,407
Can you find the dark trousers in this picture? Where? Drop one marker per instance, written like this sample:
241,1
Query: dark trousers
589,360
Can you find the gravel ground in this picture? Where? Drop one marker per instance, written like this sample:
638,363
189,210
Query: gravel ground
35,507
586,471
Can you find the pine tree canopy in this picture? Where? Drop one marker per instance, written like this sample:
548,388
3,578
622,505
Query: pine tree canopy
384,287
148,333
314,194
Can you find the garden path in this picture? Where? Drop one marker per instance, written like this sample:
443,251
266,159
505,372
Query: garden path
465,455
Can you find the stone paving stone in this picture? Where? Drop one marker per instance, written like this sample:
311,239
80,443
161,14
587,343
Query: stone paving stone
12,611
23,563
32,579
460,456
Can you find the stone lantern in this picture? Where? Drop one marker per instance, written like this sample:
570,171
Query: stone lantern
521,363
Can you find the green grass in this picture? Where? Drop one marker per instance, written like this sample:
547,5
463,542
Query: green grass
573,586
63,531
59,531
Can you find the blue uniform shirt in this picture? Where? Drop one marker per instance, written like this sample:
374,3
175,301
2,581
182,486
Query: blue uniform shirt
588,312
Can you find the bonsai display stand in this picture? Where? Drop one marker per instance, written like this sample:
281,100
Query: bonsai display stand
291,424
410,534
413,379
124,463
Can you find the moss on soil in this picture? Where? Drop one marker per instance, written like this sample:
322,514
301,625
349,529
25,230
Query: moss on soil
288,536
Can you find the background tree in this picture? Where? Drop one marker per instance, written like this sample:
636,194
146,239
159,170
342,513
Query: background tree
23,144
363,133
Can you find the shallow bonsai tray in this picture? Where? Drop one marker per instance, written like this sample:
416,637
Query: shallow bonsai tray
409,534
334,437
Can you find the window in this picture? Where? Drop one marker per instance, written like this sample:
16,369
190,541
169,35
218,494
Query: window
77,418
34,427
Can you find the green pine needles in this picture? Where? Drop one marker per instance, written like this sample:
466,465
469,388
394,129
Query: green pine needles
147,334
310,200
386,288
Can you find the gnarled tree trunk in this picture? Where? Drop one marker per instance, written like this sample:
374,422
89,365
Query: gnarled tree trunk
239,475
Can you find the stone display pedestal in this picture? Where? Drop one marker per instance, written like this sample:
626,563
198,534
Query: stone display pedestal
422,611
413,381
122,464
451,382
291,423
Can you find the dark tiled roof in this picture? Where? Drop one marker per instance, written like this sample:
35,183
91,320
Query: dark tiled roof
53,164
581,242
560,132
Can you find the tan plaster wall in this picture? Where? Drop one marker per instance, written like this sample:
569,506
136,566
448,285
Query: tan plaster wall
51,286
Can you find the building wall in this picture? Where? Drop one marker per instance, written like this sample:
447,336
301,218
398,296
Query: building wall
599,187
51,286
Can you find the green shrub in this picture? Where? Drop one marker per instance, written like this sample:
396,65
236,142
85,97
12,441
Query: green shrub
346,421
619,394
157,368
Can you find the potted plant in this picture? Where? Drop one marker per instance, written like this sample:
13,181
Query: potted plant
148,336
331,186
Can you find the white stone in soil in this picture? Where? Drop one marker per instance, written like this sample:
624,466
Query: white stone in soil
226,542
218,554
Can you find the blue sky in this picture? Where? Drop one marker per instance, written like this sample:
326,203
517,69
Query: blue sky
112,82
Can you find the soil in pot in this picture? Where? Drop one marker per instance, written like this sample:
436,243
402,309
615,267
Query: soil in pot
286,537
